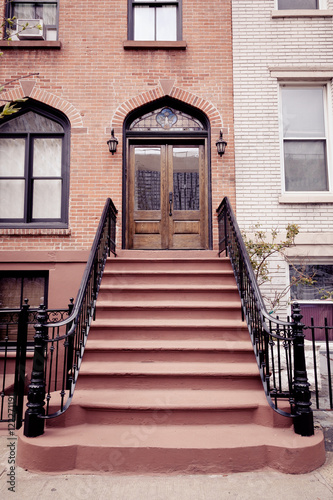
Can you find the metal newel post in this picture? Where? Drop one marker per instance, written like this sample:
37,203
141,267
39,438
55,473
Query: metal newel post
303,420
33,423
21,356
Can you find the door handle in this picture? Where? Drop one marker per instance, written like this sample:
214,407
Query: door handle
170,202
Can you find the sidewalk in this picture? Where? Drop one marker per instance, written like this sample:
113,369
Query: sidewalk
268,484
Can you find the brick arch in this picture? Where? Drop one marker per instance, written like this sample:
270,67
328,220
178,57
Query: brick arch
184,96
46,97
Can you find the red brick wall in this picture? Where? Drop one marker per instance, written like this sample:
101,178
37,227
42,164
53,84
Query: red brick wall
95,82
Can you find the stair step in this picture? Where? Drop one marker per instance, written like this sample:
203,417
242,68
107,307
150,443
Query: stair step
148,328
164,309
197,278
166,254
174,399
171,369
168,350
169,264
171,406
149,449
168,292
195,375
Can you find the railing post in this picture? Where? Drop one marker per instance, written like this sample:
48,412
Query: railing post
33,424
225,231
20,364
70,347
109,231
303,420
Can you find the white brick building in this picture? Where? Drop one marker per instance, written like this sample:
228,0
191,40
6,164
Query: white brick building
283,70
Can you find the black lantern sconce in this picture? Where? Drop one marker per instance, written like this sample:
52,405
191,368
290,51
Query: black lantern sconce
221,144
112,143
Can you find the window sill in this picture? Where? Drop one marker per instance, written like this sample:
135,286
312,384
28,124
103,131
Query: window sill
276,14
29,231
157,45
306,198
30,44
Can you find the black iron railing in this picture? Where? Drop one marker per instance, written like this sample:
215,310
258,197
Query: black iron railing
16,328
59,347
278,345
320,353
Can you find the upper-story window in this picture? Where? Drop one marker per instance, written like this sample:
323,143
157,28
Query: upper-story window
298,4
33,20
305,139
34,169
158,20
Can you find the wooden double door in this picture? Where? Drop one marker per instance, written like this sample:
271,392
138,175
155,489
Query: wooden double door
167,196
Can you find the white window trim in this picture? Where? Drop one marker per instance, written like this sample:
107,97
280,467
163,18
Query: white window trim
308,196
322,11
311,262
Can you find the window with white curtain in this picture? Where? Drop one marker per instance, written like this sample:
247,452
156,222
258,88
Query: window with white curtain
305,138
158,20
33,169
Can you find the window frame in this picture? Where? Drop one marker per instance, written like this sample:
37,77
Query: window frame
27,221
9,14
28,274
22,275
315,303
159,3
326,106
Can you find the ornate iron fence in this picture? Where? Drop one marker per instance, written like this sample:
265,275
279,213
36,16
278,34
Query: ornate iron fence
59,347
15,324
319,345
278,345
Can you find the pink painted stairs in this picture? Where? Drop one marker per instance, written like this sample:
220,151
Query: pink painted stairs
169,381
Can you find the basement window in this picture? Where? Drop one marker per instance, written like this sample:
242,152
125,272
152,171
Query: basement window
15,286
311,297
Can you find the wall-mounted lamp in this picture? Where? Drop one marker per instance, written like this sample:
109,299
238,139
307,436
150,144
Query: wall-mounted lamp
221,144
112,143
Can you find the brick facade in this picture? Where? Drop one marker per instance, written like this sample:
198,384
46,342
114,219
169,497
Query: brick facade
96,83
270,50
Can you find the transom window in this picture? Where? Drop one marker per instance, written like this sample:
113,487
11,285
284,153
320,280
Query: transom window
298,4
166,119
33,170
158,20
305,139
33,20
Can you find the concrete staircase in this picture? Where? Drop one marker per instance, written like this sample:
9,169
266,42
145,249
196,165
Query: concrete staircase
169,382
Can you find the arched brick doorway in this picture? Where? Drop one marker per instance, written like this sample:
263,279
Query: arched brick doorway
167,184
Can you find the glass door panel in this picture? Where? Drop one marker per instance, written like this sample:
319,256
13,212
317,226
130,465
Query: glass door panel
147,190
186,191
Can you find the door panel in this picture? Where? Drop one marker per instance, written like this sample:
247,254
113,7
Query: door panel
186,177
167,197
145,197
